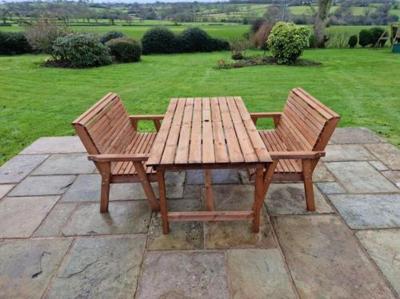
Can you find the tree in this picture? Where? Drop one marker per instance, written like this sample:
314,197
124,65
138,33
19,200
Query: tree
321,20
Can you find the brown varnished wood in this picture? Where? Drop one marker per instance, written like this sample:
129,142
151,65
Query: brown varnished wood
118,150
299,139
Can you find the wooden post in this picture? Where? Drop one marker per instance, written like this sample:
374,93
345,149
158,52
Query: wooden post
308,184
163,200
105,172
258,197
209,192
148,189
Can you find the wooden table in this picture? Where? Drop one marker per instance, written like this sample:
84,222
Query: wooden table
210,133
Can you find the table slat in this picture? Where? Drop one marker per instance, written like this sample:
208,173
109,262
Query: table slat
208,142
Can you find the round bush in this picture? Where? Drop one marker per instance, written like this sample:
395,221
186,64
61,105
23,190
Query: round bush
287,42
352,41
158,40
125,49
110,35
365,38
376,33
80,50
13,43
197,40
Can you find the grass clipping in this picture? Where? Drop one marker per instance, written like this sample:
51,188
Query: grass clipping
260,60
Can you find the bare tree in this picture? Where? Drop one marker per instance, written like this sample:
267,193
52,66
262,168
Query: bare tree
321,20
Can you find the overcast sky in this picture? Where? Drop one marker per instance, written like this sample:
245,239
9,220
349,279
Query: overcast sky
131,1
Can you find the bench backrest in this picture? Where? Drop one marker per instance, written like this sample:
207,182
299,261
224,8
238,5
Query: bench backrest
105,128
306,123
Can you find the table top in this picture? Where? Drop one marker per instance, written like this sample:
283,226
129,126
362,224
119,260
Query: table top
207,132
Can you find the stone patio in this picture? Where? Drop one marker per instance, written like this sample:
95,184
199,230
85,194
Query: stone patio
55,244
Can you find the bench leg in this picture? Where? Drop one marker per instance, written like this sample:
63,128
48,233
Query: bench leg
163,201
148,189
308,185
105,172
258,198
209,192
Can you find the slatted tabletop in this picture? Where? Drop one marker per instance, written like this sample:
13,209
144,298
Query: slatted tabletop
207,131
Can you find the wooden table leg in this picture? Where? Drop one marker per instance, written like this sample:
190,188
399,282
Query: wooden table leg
258,197
209,192
163,200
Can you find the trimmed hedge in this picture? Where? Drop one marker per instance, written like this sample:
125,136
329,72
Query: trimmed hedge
80,51
353,40
125,49
162,40
158,40
12,43
364,38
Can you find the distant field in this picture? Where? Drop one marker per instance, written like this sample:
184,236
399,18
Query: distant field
360,84
227,31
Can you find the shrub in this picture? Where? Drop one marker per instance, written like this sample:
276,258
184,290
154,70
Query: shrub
80,50
238,48
43,33
13,43
376,33
287,42
197,40
158,40
364,38
125,49
353,41
110,35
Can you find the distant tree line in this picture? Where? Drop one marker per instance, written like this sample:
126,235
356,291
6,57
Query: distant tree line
69,12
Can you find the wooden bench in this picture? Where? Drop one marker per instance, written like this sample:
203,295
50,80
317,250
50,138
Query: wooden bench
118,150
301,134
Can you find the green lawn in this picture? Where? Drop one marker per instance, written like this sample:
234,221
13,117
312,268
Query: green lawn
361,85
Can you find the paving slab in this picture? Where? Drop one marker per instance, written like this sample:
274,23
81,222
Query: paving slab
26,266
378,165
393,176
387,153
182,235
219,176
384,248
192,191
325,259
55,145
4,189
20,216
322,174
363,211
55,220
123,218
290,199
183,275
65,164
258,273
86,188
101,267
43,185
354,135
347,152
330,188
16,169
360,177
237,234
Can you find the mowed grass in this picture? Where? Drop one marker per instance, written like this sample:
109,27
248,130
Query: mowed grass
360,84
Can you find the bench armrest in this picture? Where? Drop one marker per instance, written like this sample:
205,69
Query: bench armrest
297,155
118,157
276,116
156,118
